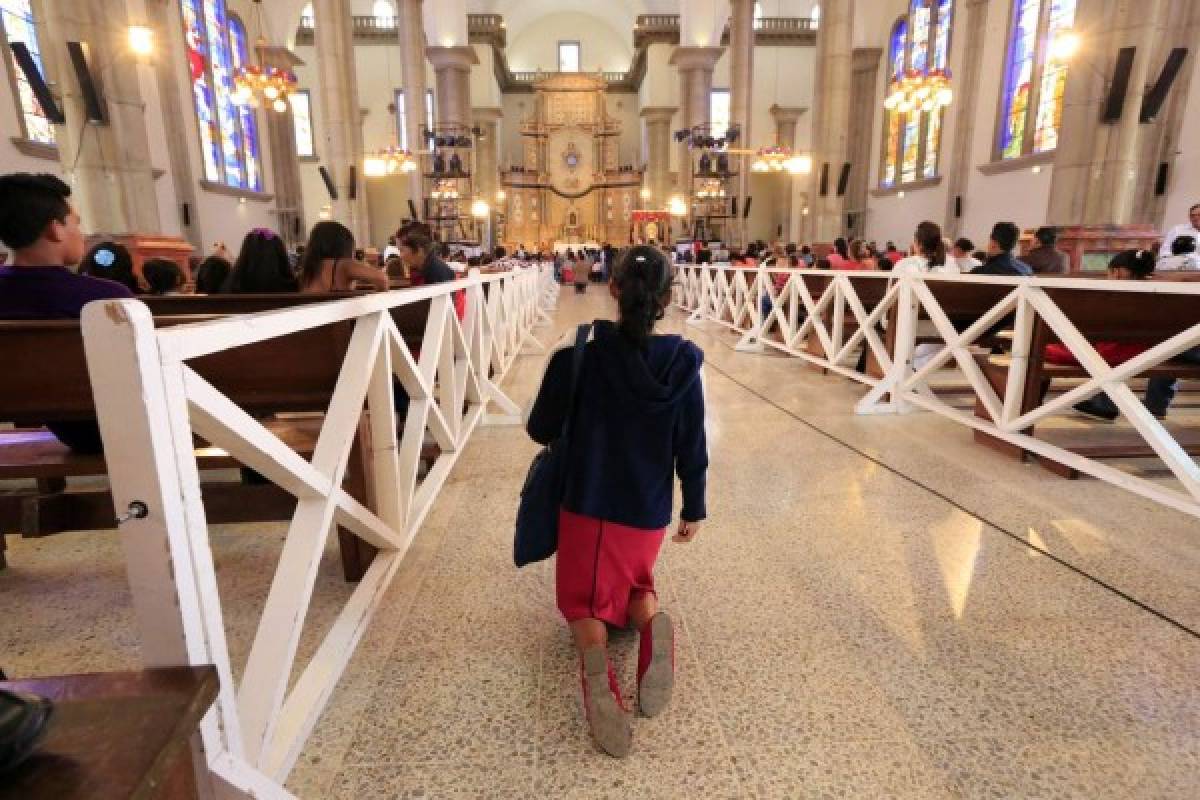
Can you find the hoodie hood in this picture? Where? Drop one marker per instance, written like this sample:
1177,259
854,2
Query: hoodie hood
654,378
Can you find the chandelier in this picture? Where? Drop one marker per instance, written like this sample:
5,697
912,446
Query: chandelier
920,91
710,188
444,190
274,84
388,161
779,158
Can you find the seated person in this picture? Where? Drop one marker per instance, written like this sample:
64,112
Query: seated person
163,276
41,227
329,264
262,266
113,262
961,253
1046,259
1000,253
1137,265
212,274
1183,256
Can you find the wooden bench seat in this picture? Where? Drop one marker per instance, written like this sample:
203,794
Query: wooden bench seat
295,373
1144,319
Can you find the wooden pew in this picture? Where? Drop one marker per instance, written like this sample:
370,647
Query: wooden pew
1148,319
296,373
119,734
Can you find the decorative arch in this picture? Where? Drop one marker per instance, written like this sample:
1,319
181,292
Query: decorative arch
919,44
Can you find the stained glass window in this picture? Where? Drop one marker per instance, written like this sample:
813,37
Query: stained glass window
1031,109
302,118
17,25
216,46
920,42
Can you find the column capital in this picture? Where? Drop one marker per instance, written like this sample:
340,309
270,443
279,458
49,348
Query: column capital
487,114
866,58
695,58
658,113
461,57
787,114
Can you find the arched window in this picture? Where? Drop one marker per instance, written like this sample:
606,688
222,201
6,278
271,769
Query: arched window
1032,104
216,47
308,17
815,16
16,25
384,13
920,44
758,15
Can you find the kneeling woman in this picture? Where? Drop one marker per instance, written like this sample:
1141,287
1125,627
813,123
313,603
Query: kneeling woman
639,415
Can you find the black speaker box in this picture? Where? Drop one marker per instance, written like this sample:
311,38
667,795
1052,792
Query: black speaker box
1114,105
353,190
93,98
1153,102
824,190
187,215
329,187
746,210
958,206
37,83
843,180
1160,181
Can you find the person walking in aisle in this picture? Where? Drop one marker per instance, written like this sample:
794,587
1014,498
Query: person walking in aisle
638,416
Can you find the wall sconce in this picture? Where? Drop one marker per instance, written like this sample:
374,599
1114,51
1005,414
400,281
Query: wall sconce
141,41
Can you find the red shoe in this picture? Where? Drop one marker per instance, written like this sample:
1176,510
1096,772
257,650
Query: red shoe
656,665
607,717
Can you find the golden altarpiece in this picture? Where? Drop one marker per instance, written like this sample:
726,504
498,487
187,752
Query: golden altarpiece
571,188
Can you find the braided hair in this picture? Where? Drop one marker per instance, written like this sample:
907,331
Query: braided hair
643,281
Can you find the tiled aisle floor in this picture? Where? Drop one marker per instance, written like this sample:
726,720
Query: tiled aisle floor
850,626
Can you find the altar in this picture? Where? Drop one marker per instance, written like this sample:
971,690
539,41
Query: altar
570,189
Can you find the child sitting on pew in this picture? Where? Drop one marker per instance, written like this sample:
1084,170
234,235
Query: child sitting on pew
1129,265
164,277
38,222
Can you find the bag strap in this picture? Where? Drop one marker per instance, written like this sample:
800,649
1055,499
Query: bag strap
581,338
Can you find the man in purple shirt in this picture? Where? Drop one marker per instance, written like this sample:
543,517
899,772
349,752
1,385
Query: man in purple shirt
41,228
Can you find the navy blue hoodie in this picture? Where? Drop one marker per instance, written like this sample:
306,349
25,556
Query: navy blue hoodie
639,416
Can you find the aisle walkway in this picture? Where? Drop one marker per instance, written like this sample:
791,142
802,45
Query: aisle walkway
850,625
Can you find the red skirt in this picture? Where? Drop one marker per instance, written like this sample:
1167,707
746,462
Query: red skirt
600,564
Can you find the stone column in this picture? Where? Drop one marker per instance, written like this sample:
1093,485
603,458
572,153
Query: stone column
452,72
341,114
108,165
161,16
958,167
864,103
285,164
411,29
831,118
1096,165
487,154
786,118
658,163
695,65
741,106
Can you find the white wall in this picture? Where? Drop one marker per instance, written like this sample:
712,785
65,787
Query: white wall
603,48
1184,188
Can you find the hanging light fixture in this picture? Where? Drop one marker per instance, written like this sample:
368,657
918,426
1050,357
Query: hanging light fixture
710,188
917,90
445,189
251,81
388,161
778,158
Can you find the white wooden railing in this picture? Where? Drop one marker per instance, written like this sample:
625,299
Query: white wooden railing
734,297
150,405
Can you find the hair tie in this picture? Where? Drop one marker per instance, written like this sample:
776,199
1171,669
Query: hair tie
105,258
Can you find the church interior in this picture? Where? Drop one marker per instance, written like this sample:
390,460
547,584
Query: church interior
638,398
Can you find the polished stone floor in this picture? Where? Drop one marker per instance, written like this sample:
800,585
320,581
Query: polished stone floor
876,608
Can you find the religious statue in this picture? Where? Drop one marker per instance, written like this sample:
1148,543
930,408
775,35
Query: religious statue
439,164
456,165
